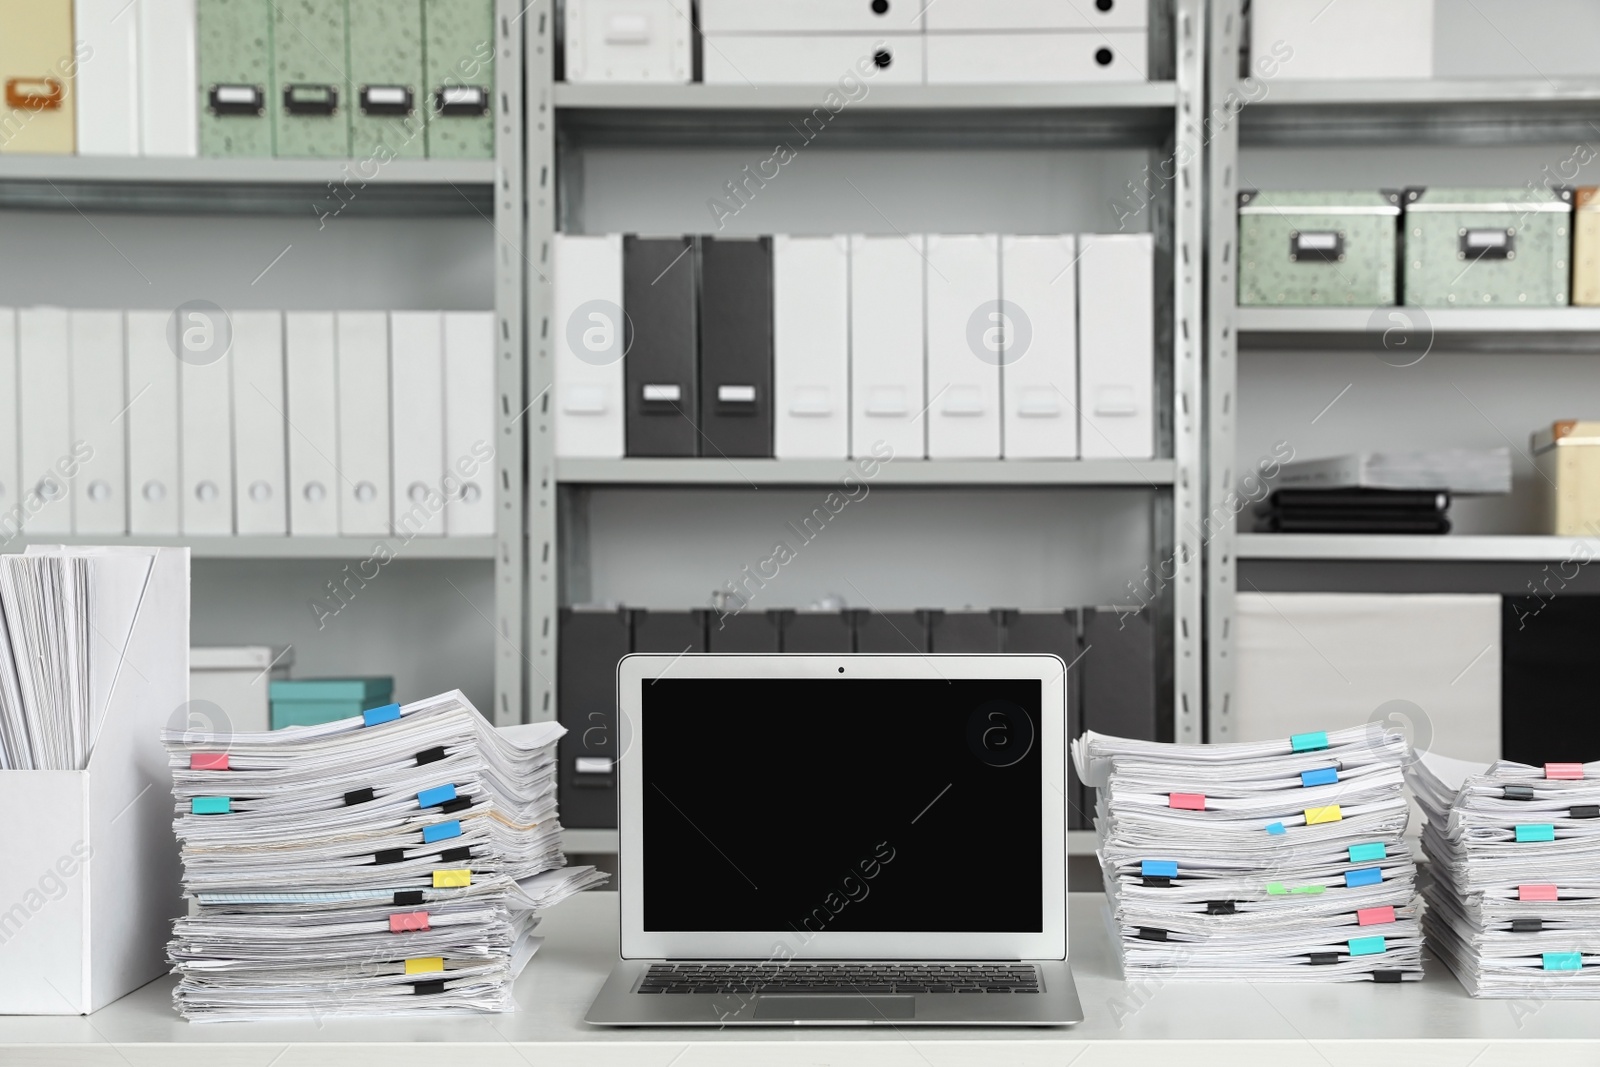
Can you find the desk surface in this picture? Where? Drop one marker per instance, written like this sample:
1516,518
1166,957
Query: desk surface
1429,1023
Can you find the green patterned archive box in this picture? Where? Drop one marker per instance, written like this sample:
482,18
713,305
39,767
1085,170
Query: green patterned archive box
1488,247
234,59
385,84
459,51
1318,249
309,118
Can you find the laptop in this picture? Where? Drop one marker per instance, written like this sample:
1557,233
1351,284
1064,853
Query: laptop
841,840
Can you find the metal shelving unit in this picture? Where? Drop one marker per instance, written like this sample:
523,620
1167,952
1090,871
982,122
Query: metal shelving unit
1366,113
930,474
1161,117
331,548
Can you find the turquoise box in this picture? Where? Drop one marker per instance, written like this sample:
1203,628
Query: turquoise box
313,701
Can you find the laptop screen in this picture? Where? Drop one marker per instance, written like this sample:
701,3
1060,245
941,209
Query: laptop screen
842,805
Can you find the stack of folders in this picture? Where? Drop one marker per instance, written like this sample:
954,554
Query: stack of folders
392,863
1271,861
1514,874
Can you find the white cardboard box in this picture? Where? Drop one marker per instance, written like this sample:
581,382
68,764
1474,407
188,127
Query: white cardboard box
812,16
590,339
365,504
100,491
313,410
628,41
945,16
813,59
811,347
259,467
91,878
1037,58
469,423
1315,39
49,455
155,495
107,91
233,681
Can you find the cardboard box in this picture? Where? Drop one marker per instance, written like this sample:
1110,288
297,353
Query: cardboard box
234,680
458,53
1586,247
310,117
628,41
38,71
1488,247
1318,249
1347,39
1567,456
385,89
234,57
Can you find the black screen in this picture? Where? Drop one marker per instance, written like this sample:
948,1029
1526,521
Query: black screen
847,805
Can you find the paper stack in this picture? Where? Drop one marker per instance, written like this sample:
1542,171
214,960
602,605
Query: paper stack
391,863
1513,884
1271,861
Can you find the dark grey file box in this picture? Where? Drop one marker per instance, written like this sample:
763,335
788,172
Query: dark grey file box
748,631
1119,673
817,632
670,632
1056,632
659,373
736,346
591,642
891,633
964,631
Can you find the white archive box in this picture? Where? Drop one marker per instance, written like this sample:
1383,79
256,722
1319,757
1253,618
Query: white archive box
91,880
416,413
1030,15
812,59
100,489
1039,346
811,347
365,504
628,41
229,687
44,396
469,423
313,416
106,93
1315,39
1116,346
887,373
591,333
168,125
811,16
962,275
1325,661
154,494
10,434
1036,57
259,476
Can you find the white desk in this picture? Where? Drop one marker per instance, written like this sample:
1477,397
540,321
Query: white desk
1427,1024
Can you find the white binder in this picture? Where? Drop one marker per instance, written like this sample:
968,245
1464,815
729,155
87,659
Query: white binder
206,453
167,78
811,347
813,59
107,80
591,333
416,383
1116,354
312,384
811,16
100,490
1039,369
258,424
49,457
469,423
364,497
154,496
887,376
963,280
10,433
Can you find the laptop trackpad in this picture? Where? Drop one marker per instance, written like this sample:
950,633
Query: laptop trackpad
836,1006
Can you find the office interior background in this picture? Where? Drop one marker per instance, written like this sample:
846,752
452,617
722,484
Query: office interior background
681,328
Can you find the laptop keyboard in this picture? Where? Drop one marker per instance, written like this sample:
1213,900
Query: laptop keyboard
840,978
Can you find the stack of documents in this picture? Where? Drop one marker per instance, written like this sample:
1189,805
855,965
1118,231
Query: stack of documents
1269,861
1454,470
1514,874
390,863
